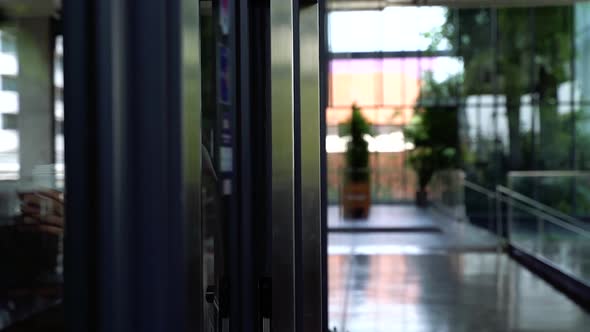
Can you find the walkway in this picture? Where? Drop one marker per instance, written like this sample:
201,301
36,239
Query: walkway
438,276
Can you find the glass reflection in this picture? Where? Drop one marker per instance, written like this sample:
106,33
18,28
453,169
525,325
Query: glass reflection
32,171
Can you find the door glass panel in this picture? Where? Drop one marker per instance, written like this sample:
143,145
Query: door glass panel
32,168
210,189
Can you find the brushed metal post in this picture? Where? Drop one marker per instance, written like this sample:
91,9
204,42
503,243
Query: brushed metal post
540,234
282,165
311,204
490,212
191,159
498,226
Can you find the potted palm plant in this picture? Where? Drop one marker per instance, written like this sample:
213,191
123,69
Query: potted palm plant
356,193
434,133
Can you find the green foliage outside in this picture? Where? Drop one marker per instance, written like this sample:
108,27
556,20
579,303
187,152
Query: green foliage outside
529,53
433,131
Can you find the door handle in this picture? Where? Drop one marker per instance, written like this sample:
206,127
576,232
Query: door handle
211,296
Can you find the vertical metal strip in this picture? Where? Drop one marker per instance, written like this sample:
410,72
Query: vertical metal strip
111,153
79,101
247,256
176,256
311,203
532,87
494,34
282,168
232,311
297,207
510,212
573,109
191,163
324,95
572,96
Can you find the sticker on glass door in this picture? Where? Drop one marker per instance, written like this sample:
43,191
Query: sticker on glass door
224,16
224,89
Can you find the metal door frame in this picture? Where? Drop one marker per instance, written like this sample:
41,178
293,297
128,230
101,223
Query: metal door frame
297,166
132,136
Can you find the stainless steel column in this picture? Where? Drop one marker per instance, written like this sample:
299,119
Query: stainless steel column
132,130
296,183
311,204
282,159
191,163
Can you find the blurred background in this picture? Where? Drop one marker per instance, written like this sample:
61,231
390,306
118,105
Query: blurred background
475,123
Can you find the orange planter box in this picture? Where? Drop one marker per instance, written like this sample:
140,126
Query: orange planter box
356,200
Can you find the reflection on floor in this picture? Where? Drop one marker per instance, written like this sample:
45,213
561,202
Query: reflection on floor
450,281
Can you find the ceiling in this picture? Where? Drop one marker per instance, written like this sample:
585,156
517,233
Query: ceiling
380,4
29,8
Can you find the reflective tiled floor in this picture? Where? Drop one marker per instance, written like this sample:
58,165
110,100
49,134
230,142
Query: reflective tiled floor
429,282
452,236
406,216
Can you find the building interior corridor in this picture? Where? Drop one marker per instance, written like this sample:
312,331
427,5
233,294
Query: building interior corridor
412,270
460,108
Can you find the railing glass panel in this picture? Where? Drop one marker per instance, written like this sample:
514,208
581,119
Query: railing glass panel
565,191
556,241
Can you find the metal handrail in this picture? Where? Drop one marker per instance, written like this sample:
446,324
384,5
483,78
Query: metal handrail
530,174
531,206
478,188
537,205
545,216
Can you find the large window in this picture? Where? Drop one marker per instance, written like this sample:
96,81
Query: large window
379,60
519,77
391,29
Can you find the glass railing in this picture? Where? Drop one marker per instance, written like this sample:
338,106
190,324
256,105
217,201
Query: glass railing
480,207
564,191
463,200
447,194
546,233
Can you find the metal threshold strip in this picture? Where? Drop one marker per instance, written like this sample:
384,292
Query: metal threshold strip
384,229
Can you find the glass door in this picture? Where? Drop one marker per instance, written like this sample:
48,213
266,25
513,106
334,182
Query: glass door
210,194
217,166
